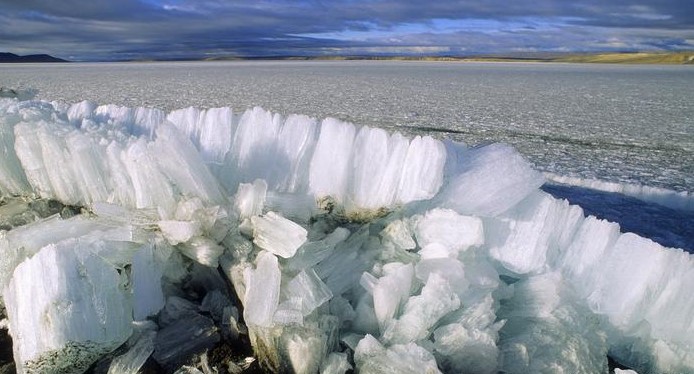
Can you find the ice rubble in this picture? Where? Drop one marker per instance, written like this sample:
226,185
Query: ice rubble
326,245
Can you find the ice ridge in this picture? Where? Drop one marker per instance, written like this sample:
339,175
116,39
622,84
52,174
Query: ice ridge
346,248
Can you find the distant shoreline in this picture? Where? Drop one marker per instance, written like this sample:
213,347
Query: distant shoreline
634,58
653,58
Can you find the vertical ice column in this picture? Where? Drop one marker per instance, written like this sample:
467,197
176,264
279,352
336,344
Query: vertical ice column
330,166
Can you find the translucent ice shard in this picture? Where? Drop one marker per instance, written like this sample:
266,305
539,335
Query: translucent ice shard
262,291
277,234
310,289
140,347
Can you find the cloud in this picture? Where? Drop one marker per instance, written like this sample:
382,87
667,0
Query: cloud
127,29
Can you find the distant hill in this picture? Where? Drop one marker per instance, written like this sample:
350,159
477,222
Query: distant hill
11,57
632,58
671,58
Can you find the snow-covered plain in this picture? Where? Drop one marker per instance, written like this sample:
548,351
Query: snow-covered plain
158,235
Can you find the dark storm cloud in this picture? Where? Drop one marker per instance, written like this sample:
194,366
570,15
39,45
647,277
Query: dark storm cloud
125,29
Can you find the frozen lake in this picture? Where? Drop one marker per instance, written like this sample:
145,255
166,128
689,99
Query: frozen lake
625,124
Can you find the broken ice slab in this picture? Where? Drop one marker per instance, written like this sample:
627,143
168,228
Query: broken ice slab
313,252
371,357
262,291
176,343
67,307
400,234
277,234
203,250
250,198
147,268
307,287
24,241
140,347
176,232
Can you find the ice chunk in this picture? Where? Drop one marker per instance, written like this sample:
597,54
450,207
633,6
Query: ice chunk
262,291
250,198
371,357
335,363
177,232
491,180
446,227
12,178
277,234
423,311
313,252
540,226
391,291
140,347
629,281
176,308
470,342
450,269
147,270
66,308
307,287
342,269
203,250
183,165
466,349
27,240
151,187
399,233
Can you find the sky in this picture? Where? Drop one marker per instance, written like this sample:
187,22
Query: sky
85,30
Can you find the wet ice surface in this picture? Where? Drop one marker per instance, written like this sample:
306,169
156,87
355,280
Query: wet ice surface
626,124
